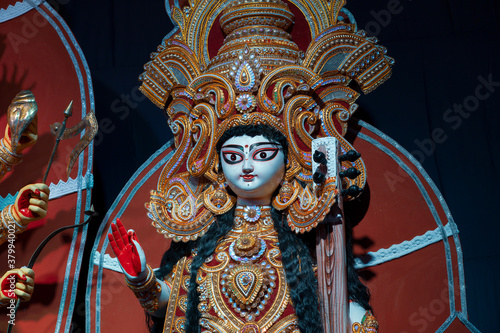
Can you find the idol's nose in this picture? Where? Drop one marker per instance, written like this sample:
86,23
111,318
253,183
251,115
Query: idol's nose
247,166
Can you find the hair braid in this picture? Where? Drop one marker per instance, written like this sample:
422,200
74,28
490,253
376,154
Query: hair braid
206,247
298,265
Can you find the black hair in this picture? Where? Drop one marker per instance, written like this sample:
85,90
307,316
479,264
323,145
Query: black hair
295,252
356,290
298,264
206,247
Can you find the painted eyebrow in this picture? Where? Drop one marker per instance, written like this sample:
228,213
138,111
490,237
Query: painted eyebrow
262,144
233,146
252,146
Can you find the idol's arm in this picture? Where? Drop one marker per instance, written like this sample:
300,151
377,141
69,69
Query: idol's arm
30,205
151,292
11,156
361,320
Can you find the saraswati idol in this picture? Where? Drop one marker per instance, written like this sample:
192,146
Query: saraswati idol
252,198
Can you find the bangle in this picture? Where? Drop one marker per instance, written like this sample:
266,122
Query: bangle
8,219
7,158
147,292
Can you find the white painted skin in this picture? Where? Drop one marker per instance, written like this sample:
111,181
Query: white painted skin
356,313
253,167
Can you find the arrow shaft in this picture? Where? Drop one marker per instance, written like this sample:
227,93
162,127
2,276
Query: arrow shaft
58,138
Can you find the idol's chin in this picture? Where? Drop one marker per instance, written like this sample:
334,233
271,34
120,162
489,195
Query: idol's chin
253,197
247,194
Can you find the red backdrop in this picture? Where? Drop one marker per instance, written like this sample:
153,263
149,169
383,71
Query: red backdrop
37,53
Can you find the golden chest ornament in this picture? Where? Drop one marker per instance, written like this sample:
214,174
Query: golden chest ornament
242,286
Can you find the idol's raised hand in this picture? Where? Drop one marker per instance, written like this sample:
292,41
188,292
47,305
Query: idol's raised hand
127,249
31,203
17,283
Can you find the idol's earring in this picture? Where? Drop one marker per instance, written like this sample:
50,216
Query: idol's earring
216,198
288,193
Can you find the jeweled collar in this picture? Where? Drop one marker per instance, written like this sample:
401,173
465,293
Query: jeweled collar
252,213
252,219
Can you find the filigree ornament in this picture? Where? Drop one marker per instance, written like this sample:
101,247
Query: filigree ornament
245,78
246,71
288,193
247,287
353,54
259,76
242,215
247,248
251,213
309,209
178,211
245,103
174,64
216,199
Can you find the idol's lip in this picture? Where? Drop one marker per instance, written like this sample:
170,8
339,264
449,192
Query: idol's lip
248,177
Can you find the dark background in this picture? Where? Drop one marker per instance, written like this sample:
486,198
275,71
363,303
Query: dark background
436,105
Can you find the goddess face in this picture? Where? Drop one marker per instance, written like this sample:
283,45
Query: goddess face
253,167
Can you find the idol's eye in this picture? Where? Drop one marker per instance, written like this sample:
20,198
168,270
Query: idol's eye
265,154
232,157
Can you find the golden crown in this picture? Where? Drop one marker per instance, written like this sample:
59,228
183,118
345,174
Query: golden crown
259,75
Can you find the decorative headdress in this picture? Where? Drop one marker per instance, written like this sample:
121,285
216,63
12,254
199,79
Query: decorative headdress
259,76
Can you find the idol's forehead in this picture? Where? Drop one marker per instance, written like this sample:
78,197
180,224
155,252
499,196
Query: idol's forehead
245,140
